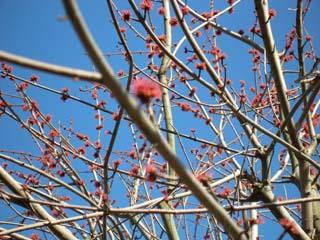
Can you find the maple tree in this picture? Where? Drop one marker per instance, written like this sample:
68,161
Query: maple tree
174,144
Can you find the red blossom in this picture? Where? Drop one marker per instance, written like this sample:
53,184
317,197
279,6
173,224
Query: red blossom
182,78
33,180
206,15
82,150
146,90
34,236
257,100
243,98
98,192
97,145
198,33
134,170
226,192
208,121
289,58
222,56
65,198
31,121
24,107
23,86
316,120
64,94
151,172
133,154
173,21
87,143
201,66
185,107
161,10
115,116
308,38
61,173
255,30
99,127
101,104
54,133
185,10
6,68
126,15
146,5
212,110
94,94
34,78
80,182
121,73
34,106
97,184
82,137
162,38
192,91
57,212
3,105
204,178
116,163
48,118
272,13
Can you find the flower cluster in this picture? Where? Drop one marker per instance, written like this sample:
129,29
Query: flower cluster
151,172
126,15
146,90
146,5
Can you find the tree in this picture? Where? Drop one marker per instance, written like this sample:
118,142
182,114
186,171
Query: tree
206,131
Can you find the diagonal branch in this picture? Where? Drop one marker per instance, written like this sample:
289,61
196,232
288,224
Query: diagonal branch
58,230
141,120
43,66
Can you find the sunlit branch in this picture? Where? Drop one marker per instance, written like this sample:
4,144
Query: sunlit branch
145,125
47,67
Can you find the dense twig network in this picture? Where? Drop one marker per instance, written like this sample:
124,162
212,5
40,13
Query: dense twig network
176,150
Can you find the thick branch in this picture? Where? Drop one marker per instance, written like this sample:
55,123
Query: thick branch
58,230
140,119
56,69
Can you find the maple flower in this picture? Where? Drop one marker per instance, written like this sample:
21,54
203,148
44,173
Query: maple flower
34,78
151,171
145,89
272,13
35,236
201,66
308,38
146,5
161,10
126,15
226,192
54,133
204,178
173,21
82,150
185,10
